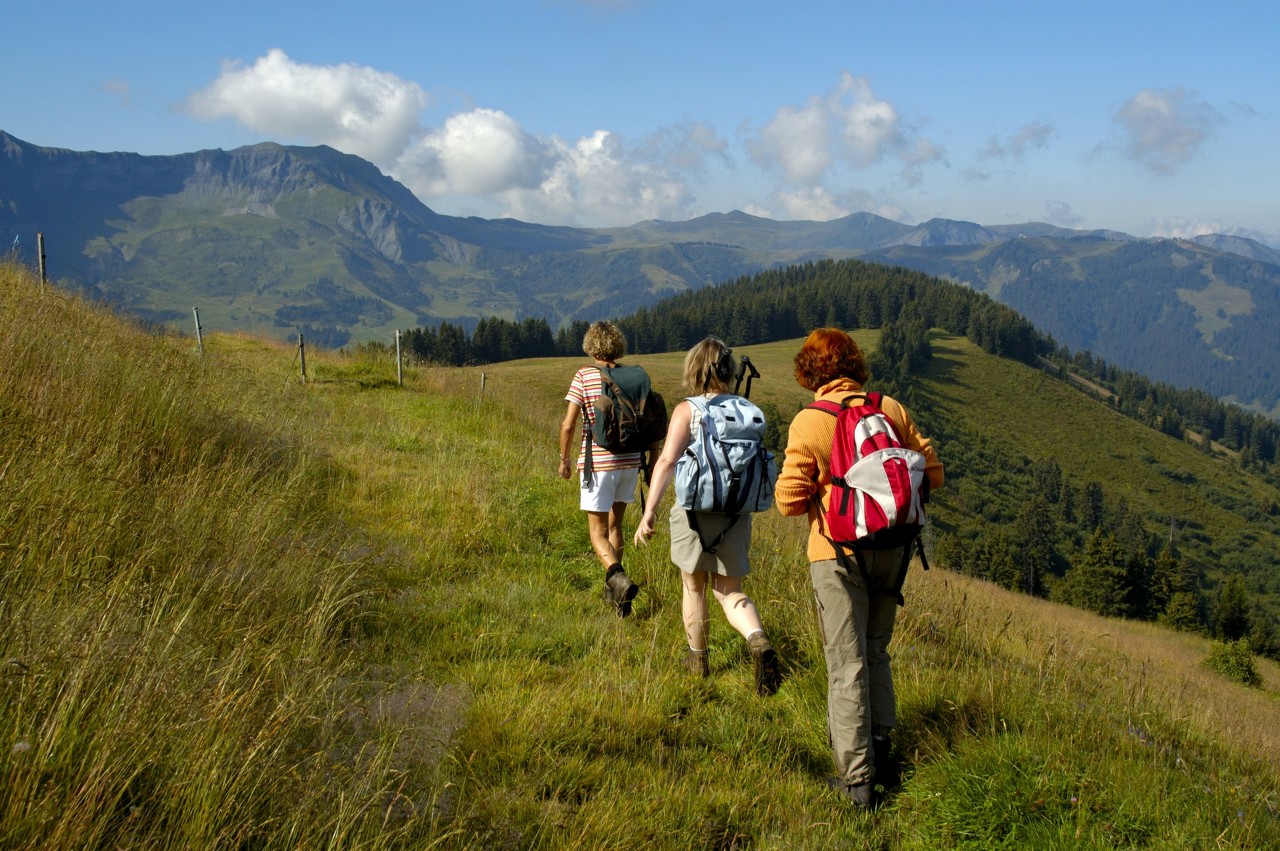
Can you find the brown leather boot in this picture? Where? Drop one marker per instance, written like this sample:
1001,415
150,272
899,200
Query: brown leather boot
765,660
619,590
695,662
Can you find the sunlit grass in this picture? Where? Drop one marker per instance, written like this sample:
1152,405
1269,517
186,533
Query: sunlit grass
244,611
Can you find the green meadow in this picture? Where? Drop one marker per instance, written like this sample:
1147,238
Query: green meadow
242,611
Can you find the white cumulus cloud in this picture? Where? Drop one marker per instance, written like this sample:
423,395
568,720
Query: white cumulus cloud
1062,214
814,204
482,159
848,125
797,141
358,110
476,153
1165,128
600,179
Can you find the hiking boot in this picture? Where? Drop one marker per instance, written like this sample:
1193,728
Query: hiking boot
885,765
861,795
695,662
619,590
765,660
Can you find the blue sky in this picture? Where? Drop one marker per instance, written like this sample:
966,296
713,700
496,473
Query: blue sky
1153,118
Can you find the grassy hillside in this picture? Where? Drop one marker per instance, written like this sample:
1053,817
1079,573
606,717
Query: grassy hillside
1223,518
243,612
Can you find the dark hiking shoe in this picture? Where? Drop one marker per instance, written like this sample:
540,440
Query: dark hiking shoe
886,766
619,590
695,662
861,795
765,660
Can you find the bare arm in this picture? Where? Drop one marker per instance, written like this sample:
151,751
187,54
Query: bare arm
664,468
568,431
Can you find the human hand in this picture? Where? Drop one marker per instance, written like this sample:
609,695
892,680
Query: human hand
644,531
566,468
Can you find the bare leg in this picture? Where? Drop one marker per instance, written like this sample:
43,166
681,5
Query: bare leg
616,513
694,606
598,527
605,529
739,610
742,616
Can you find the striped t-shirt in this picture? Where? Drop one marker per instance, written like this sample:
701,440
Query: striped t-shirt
583,392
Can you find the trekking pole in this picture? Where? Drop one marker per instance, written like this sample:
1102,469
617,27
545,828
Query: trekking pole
747,368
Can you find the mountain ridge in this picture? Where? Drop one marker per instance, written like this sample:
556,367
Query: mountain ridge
281,239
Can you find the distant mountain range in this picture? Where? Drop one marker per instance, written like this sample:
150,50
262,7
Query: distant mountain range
275,239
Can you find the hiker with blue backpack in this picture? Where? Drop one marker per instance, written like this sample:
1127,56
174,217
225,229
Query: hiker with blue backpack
622,420
714,453
858,467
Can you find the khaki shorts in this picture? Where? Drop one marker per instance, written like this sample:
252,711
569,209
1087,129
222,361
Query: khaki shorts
731,555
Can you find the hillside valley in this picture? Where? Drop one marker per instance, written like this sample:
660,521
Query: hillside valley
282,240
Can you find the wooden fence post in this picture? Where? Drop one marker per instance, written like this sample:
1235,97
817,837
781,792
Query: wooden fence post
40,257
302,355
399,363
199,339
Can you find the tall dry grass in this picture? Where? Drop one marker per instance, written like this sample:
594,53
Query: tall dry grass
175,602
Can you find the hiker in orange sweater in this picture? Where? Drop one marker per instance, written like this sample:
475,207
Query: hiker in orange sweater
856,621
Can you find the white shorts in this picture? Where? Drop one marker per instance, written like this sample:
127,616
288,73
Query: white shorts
607,487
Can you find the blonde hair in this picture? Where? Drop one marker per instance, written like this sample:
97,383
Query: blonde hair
708,367
603,341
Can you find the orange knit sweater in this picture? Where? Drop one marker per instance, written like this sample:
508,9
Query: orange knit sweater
804,485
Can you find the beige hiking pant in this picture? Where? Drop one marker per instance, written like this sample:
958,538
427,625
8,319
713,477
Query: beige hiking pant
856,630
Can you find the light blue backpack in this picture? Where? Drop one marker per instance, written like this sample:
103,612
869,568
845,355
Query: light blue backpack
726,469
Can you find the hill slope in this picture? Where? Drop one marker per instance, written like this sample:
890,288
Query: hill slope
275,240
349,613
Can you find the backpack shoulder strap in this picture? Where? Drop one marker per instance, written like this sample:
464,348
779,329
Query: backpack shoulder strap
834,408
831,408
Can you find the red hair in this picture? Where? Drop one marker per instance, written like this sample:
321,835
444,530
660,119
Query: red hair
828,354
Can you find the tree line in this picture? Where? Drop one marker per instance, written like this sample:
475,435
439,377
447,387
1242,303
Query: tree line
492,340
780,304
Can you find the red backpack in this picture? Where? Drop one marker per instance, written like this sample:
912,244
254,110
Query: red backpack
878,486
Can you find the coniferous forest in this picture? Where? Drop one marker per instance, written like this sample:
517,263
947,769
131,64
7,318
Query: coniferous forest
786,303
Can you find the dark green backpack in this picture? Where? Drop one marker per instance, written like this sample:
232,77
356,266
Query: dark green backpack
629,415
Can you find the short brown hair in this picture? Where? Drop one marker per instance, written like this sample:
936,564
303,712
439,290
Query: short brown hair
708,366
603,341
828,354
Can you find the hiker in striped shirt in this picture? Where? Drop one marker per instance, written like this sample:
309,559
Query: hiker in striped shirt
610,485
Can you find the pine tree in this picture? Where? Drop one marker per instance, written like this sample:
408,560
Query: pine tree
1166,580
1092,506
1096,580
1138,579
997,554
1231,615
1036,532
1182,612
